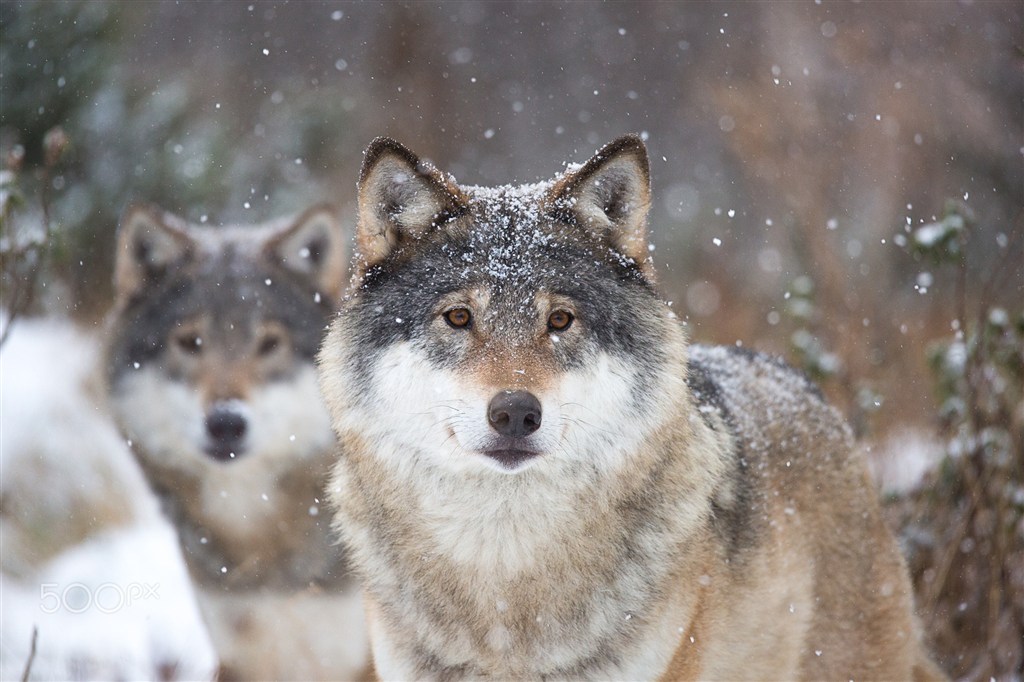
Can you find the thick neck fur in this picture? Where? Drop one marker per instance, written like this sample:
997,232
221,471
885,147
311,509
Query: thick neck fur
284,546
551,571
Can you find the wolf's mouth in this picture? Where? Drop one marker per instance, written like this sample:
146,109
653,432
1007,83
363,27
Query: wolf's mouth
223,453
511,459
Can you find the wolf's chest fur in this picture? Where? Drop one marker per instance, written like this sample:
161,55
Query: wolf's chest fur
262,528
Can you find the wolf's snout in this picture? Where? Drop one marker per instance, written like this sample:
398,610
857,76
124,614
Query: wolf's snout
514,413
226,429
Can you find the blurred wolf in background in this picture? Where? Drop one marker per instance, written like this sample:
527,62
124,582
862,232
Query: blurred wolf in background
540,479
211,378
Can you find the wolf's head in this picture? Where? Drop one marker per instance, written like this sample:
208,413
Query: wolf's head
502,330
214,334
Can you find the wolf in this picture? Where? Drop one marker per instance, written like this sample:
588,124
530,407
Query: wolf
210,374
538,478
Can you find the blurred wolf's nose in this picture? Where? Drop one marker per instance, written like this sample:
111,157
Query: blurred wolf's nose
514,413
226,429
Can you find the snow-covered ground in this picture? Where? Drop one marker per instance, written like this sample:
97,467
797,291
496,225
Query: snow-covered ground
85,558
117,606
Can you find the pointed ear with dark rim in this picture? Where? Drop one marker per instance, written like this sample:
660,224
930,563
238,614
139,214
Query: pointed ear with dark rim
400,198
149,242
313,247
610,196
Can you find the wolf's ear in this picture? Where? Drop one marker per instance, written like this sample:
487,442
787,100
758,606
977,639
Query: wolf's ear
149,242
313,247
400,197
610,196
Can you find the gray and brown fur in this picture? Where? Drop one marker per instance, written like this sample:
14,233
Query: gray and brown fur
659,511
210,376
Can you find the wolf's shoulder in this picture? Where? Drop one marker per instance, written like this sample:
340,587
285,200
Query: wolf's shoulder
764,400
734,370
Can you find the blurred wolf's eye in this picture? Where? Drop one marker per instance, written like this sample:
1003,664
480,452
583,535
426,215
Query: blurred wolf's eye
268,344
459,318
560,320
190,342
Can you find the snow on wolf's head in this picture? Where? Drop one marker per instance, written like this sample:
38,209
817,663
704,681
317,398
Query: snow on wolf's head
212,342
510,330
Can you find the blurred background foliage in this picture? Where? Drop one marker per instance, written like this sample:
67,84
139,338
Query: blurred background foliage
802,154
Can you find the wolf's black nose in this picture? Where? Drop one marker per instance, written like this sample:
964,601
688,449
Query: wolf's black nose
225,425
226,429
514,413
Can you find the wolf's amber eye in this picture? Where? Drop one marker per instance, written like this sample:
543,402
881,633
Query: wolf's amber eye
560,320
458,318
189,342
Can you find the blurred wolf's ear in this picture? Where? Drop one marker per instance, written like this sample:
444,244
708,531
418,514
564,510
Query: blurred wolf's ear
400,198
610,196
313,247
149,242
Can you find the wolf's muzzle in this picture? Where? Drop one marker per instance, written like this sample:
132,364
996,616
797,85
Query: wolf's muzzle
514,415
